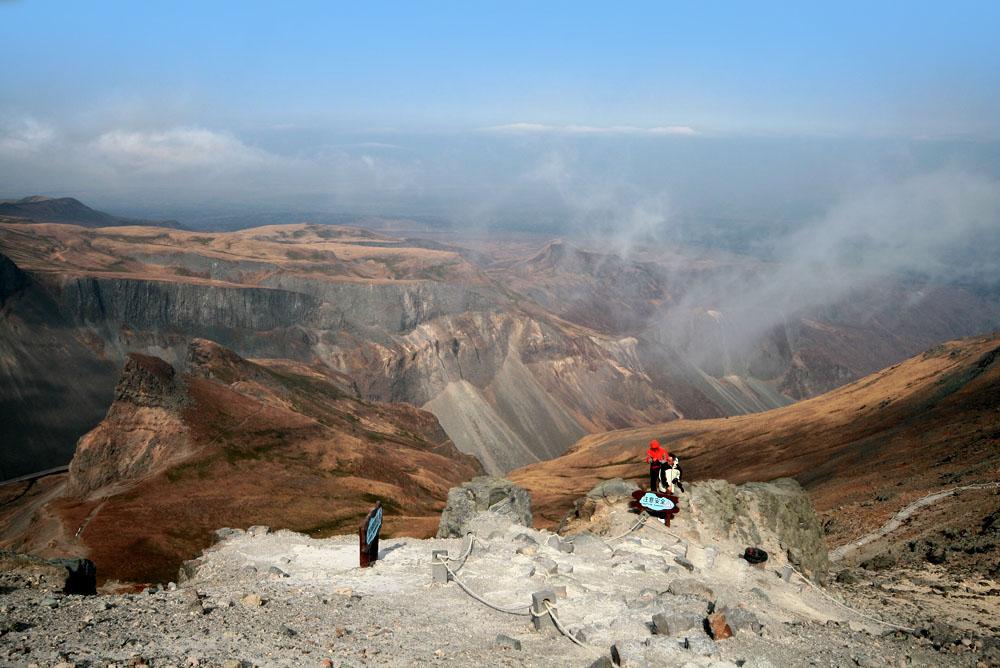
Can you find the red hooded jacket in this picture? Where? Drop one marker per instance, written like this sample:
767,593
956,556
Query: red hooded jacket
656,453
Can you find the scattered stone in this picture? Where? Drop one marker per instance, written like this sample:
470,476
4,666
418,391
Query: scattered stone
741,620
879,563
527,550
718,627
188,570
220,535
676,624
628,654
937,554
547,565
846,577
701,645
681,561
691,587
287,632
49,602
253,600
506,641
259,530
340,632
275,573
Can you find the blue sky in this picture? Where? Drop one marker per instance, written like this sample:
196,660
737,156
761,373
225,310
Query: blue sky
907,68
351,103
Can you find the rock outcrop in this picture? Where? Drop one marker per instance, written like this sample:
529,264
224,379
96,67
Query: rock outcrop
227,441
777,516
143,431
69,576
604,495
482,501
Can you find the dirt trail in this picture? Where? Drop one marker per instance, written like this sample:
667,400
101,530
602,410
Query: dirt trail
898,518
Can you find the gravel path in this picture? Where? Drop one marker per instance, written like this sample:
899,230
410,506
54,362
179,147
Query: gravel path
285,600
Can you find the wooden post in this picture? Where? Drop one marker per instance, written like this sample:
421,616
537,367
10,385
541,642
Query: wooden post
368,536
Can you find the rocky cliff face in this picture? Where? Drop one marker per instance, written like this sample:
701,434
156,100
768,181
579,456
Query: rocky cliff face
181,453
517,358
143,432
53,387
777,516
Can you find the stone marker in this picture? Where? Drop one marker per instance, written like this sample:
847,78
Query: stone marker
439,572
540,613
368,536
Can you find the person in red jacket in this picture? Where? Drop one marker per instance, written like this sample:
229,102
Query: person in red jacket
657,458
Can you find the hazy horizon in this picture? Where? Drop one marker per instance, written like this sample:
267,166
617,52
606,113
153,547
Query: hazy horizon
744,127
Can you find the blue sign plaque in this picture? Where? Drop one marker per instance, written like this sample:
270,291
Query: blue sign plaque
374,526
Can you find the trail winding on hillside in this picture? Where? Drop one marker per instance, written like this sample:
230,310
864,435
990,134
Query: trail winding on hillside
898,518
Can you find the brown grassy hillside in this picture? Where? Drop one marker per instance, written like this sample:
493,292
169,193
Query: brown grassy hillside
230,442
862,451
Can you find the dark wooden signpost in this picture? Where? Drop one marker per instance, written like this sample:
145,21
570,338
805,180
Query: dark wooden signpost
368,535
656,504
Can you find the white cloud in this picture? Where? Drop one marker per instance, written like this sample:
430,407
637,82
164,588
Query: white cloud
178,149
532,128
24,138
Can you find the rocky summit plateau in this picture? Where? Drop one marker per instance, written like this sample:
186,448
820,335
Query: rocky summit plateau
625,589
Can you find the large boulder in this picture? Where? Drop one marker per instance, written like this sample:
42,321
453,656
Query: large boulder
71,576
777,516
605,494
488,499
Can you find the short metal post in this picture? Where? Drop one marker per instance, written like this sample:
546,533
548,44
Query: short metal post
786,575
540,613
439,571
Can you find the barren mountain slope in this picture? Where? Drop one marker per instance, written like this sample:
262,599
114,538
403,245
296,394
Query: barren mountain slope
67,210
518,358
231,442
863,451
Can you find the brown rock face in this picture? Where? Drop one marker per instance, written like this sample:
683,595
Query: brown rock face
142,432
232,442
718,627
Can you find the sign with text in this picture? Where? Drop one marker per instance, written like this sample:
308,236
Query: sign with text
368,536
656,504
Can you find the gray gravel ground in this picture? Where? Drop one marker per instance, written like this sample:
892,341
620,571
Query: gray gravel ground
283,599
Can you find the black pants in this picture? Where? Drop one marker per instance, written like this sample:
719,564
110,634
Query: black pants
654,477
